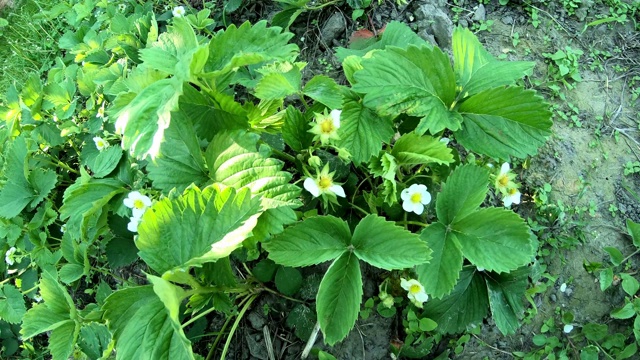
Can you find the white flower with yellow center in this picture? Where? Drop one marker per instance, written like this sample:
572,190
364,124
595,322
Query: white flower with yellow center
512,197
101,143
179,11
504,179
323,184
326,126
415,198
8,256
138,203
415,291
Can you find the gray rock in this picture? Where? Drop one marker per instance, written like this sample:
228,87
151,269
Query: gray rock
480,14
436,22
333,27
507,20
553,297
256,320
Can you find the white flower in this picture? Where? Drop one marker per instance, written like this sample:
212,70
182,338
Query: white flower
504,178
8,256
567,328
101,144
179,11
138,203
63,228
511,197
133,223
326,126
323,184
37,298
415,290
415,198
100,113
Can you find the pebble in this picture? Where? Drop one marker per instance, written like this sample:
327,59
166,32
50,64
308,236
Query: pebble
507,20
333,27
480,14
256,320
553,297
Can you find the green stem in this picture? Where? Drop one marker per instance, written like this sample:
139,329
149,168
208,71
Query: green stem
218,337
629,257
234,327
283,155
282,295
195,318
365,212
409,222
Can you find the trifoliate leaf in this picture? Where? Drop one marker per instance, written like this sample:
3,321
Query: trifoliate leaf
324,89
310,242
295,130
504,122
466,305
387,246
339,298
235,47
12,307
417,81
462,193
189,226
440,275
181,162
139,322
395,34
505,298
233,160
476,70
495,239
413,149
362,131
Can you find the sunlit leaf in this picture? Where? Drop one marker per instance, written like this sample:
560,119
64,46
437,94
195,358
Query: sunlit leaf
413,149
462,193
439,276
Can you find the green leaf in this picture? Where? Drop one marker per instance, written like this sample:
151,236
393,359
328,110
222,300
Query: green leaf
63,339
417,81
476,70
13,199
595,332
233,160
288,280
505,298
312,241
121,251
440,275
170,295
142,327
395,33
86,198
181,162
55,296
235,47
606,278
385,166
174,50
144,120
324,89
339,297
94,340
413,149
504,122
40,319
387,246
182,232
615,255
634,230
629,284
295,130
106,161
264,270
466,305
362,131
462,193
495,239
279,81
71,272
12,307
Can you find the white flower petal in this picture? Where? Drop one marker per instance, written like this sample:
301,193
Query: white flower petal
133,224
504,168
405,284
515,198
311,186
421,296
405,195
407,205
335,116
137,213
507,201
418,208
338,190
426,197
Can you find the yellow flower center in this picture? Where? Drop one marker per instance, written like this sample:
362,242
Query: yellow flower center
138,204
503,180
414,289
513,191
416,198
326,126
325,182
100,143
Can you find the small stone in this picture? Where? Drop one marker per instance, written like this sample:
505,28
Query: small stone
568,292
333,27
480,14
553,297
409,16
507,20
436,22
256,320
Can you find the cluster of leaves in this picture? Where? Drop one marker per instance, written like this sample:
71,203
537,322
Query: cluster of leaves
215,128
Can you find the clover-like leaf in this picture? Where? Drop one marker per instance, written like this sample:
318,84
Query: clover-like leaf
462,193
440,275
413,149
